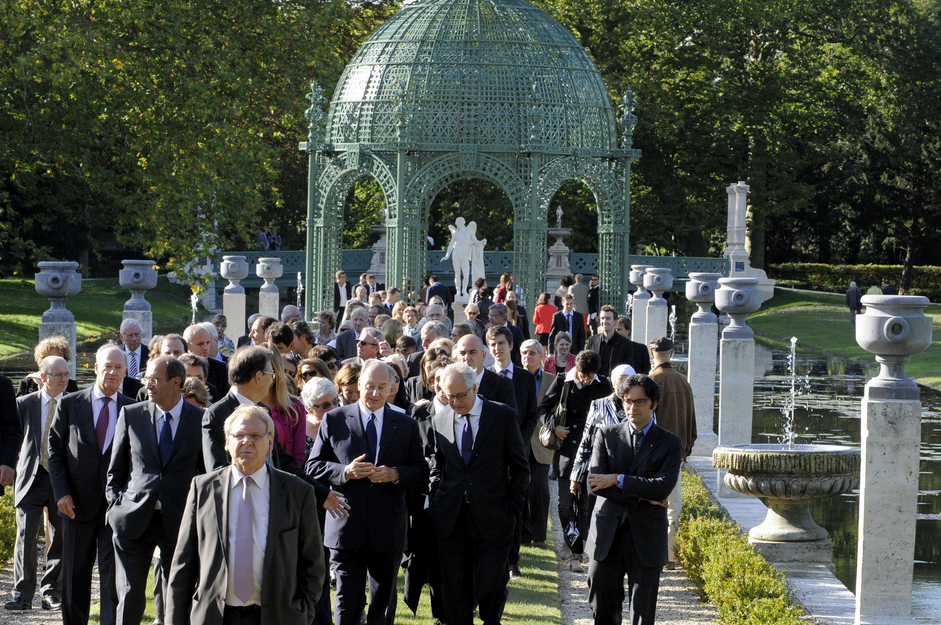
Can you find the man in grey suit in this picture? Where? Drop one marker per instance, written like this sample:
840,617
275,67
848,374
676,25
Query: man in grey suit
33,491
79,453
634,466
250,548
157,452
536,509
478,486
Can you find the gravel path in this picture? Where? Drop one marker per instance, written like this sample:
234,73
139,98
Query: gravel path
677,601
37,615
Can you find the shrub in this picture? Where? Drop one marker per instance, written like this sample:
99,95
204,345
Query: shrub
836,278
7,525
745,589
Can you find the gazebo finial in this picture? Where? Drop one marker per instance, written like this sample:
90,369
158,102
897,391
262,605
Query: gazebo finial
315,114
628,120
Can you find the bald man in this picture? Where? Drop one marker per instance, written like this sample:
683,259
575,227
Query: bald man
199,341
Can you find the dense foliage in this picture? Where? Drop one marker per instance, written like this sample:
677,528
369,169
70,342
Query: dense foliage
173,128
926,281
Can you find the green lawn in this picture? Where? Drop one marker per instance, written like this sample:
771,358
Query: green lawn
820,321
97,310
533,599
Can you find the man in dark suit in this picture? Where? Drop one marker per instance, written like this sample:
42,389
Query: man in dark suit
346,340
198,342
567,320
614,349
33,491
342,292
157,453
470,350
478,486
536,509
135,351
249,549
499,340
370,453
11,434
497,315
436,288
594,303
634,466
79,453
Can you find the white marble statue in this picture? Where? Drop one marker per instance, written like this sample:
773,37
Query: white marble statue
462,250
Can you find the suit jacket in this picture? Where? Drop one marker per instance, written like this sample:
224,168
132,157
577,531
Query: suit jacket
623,352
76,466
493,484
649,474
378,517
132,387
524,392
243,340
218,377
542,454
30,458
348,287
594,297
137,479
144,356
578,330
346,345
579,291
518,339
11,433
293,565
441,291
495,387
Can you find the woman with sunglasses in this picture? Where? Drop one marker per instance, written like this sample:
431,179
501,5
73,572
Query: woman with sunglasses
310,368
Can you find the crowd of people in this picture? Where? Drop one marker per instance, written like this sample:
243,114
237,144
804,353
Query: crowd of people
285,476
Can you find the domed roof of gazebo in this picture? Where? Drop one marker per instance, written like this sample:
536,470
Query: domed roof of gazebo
499,75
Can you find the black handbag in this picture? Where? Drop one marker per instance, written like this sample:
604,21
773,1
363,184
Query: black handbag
574,538
547,434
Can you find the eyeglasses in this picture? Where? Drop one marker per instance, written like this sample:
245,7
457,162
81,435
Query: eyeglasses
268,372
146,380
333,364
364,343
640,403
306,375
327,404
459,396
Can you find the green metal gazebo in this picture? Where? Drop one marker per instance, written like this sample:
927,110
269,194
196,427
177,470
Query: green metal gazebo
454,89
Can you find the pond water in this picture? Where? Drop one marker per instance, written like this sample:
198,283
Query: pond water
829,412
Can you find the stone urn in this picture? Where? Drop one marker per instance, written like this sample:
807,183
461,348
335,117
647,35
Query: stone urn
637,278
138,276
789,477
657,280
895,328
738,298
269,270
701,290
58,281
234,269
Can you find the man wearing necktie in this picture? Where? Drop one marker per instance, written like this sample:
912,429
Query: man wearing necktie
135,351
570,321
157,452
634,466
371,452
249,549
34,491
478,486
79,453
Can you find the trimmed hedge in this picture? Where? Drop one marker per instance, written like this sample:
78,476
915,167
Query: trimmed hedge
729,572
7,526
836,278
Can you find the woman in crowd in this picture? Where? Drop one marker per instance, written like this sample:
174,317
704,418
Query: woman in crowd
505,286
51,346
542,317
419,388
347,381
561,360
328,356
196,393
392,330
226,346
516,314
287,411
410,315
623,326
563,290
326,322
398,311
319,396
571,395
290,362
310,368
397,394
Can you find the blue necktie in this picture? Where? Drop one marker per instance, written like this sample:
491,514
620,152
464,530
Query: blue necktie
372,438
467,440
166,439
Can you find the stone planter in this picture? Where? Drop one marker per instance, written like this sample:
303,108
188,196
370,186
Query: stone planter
138,276
657,280
58,281
637,276
701,290
738,298
269,270
234,269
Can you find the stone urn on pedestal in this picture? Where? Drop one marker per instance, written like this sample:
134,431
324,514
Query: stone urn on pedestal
139,276
269,270
59,281
639,304
657,280
234,269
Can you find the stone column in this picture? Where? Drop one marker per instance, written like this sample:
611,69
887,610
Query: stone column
269,270
657,280
738,297
234,269
703,349
894,328
738,205
139,276
59,281
639,306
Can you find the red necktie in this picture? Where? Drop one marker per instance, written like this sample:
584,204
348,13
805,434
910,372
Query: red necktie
101,428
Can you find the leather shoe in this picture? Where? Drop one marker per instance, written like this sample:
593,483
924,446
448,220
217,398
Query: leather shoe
51,603
515,571
17,605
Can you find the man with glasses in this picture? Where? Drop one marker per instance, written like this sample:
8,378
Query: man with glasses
370,455
634,466
148,479
135,351
329,357
478,487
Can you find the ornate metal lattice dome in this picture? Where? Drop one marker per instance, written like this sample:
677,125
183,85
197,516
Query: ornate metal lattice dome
453,89
499,74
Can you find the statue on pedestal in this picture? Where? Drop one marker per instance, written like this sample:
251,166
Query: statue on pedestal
464,248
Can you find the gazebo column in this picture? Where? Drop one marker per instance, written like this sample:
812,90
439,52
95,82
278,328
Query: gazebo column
613,260
529,260
405,266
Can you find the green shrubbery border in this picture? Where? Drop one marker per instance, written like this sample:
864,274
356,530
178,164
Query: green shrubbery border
744,588
836,278
7,526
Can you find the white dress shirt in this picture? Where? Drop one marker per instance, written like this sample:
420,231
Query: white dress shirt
260,494
474,422
96,403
